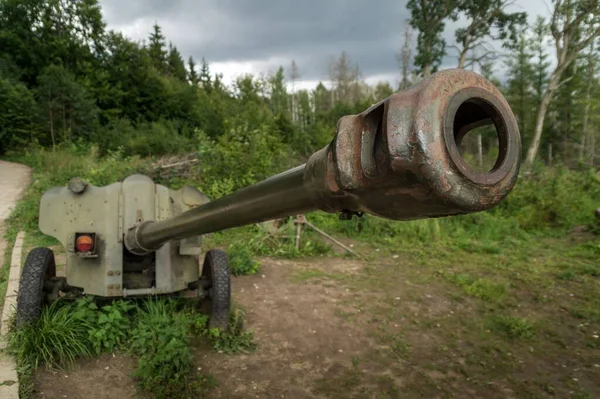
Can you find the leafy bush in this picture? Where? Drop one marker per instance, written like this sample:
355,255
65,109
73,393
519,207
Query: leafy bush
240,260
240,157
109,325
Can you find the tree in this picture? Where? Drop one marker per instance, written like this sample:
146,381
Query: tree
156,49
294,76
519,83
538,48
322,99
404,59
487,19
17,119
205,79
428,18
175,64
193,77
574,25
65,104
382,91
279,95
345,77
587,134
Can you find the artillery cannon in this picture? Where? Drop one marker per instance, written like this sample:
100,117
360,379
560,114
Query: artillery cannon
400,159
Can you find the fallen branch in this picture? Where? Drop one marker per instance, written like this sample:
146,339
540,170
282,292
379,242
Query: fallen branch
315,228
172,165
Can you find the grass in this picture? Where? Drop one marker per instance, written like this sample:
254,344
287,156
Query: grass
512,327
58,339
157,332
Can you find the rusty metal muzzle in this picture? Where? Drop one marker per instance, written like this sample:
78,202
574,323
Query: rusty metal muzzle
401,159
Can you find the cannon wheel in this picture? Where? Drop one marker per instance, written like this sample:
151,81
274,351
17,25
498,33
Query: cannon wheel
215,272
39,268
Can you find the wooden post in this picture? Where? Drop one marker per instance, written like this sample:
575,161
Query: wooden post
550,154
299,221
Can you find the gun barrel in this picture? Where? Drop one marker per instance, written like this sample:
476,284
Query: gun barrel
278,196
400,159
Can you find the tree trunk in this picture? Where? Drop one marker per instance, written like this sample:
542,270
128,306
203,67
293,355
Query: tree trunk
462,59
52,131
592,146
426,70
539,121
64,123
586,113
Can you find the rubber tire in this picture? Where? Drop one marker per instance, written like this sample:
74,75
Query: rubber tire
216,271
39,267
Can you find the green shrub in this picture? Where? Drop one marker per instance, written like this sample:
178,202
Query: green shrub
240,157
513,327
240,260
109,325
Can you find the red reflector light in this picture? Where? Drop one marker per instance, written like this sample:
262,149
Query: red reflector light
84,243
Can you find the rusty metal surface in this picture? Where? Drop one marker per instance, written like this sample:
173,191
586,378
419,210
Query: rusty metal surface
399,159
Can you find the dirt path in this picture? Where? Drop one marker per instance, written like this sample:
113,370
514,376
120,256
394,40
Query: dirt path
14,178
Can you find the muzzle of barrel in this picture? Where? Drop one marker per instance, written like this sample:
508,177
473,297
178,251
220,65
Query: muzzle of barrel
401,158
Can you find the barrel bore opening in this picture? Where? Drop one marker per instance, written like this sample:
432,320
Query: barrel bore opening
480,136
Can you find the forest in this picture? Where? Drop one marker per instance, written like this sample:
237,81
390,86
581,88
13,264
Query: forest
66,78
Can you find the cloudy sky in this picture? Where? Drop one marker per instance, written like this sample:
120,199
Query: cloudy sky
242,36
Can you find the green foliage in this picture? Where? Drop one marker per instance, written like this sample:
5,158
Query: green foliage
57,339
429,19
160,340
109,325
481,288
234,340
240,157
240,260
513,327
157,332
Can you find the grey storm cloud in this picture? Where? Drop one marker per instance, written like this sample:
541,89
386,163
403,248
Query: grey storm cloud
275,32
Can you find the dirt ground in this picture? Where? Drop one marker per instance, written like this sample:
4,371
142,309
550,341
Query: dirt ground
339,328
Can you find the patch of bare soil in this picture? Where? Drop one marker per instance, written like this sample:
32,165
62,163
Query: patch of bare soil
108,376
300,337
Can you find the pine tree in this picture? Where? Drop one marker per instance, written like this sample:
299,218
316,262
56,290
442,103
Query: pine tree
279,93
175,64
519,84
193,77
205,79
538,49
156,49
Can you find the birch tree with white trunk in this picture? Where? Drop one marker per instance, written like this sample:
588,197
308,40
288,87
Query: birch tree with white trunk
574,25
